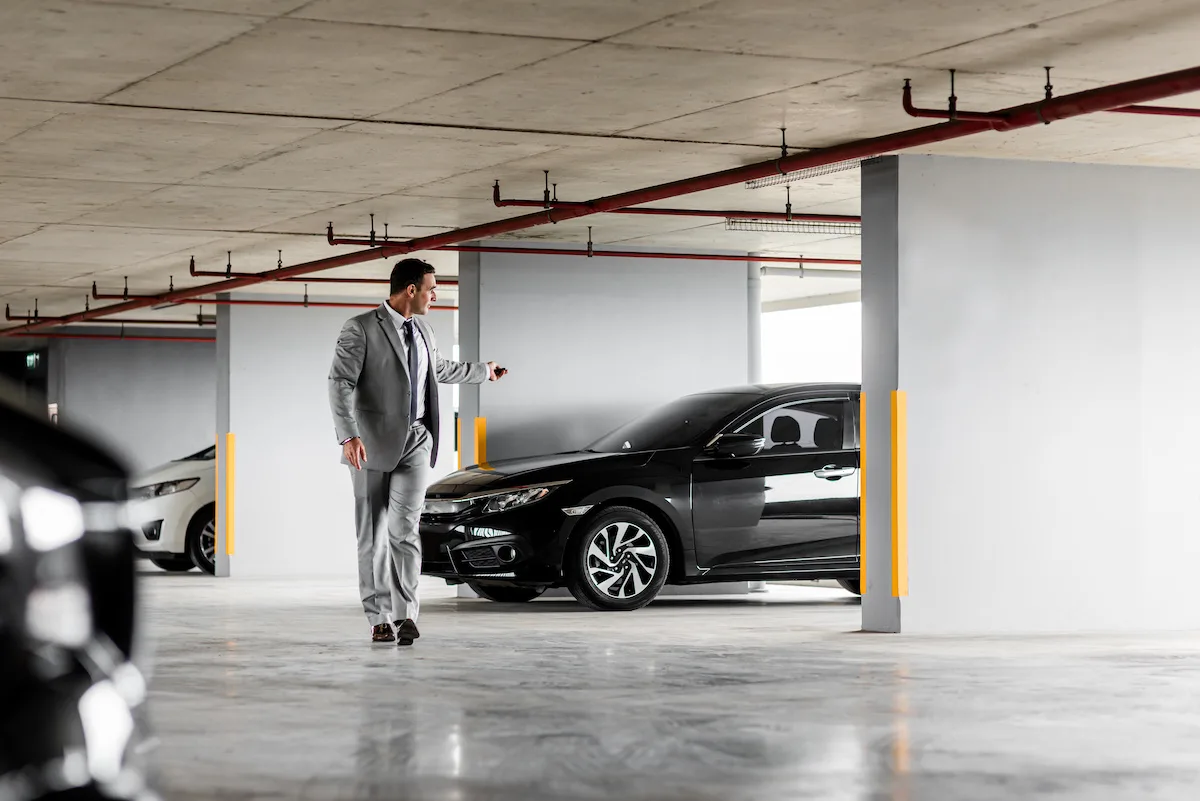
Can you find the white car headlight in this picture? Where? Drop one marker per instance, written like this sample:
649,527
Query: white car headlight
165,488
511,500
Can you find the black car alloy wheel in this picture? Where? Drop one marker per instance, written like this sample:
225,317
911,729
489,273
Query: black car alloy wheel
619,561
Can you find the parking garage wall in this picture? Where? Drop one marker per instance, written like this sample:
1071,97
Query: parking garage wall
1043,321
294,508
594,342
150,401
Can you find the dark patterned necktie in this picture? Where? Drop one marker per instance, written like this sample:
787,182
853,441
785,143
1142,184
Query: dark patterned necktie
410,337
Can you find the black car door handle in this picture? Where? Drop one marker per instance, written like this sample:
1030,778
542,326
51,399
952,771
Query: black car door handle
831,472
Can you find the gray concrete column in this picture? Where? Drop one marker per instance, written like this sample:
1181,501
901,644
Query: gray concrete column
468,348
880,320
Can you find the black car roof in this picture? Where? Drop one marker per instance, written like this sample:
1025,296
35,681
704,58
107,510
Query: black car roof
770,390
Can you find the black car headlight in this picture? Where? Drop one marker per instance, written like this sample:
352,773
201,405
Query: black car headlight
50,519
6,532
439,507
511,500
41,530
165,488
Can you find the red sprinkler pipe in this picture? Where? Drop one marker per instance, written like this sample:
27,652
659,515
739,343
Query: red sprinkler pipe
300,303
940,114
300,280
27,318
1030,114
629,254
137,338
148,321
1001,119
730,215
1158,111
637,254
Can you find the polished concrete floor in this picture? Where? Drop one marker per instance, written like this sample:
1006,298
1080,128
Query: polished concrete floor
271,690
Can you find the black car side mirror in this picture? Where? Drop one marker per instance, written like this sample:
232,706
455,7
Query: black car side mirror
737,446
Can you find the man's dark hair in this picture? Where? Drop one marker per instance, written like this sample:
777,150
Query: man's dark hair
409,272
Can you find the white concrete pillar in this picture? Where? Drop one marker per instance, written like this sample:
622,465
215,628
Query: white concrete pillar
1040,320
754,273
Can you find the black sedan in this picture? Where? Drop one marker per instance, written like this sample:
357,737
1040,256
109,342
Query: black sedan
749,483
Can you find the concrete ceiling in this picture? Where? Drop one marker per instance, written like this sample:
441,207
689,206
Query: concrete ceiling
136,133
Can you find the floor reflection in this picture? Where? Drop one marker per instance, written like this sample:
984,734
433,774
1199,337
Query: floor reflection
722,700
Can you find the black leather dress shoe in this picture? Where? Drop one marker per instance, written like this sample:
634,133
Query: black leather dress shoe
406,632
382,633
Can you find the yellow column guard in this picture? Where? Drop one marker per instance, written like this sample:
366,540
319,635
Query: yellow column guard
899,494
230,452
862,492
481,443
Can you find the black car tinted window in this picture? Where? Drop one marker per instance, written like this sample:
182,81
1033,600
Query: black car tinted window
800,426
680,423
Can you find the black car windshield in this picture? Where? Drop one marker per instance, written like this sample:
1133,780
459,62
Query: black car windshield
208,453
680,423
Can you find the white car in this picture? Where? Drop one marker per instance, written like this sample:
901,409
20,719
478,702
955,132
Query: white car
174,513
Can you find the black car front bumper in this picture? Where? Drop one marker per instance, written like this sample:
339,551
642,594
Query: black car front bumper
520,547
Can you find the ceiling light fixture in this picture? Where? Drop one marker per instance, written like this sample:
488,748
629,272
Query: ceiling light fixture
795,227
805,174
791,226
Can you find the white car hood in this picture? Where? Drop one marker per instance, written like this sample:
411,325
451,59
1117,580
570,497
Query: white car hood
173,471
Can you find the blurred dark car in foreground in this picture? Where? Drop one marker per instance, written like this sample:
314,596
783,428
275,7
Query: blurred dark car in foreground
746,483
71,689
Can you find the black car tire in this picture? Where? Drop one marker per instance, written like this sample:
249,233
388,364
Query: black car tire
173,564
610,525
196,533
851,585
506,594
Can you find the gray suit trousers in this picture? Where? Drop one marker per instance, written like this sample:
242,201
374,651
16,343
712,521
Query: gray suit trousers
387,511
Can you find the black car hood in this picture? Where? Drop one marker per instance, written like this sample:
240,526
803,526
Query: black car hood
531,470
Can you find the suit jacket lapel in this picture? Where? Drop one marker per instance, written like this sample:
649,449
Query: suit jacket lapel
389,330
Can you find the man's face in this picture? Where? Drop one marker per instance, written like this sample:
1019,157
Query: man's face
426,293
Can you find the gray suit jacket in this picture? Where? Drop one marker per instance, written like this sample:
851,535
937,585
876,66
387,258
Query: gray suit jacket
369,386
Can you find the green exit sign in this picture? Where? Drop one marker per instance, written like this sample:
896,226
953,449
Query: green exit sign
32,360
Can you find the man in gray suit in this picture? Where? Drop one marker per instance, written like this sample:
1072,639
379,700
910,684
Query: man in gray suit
383,394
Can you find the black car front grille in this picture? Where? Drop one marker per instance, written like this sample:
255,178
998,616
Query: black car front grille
480,557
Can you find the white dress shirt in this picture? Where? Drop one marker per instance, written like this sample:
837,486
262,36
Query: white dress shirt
420,383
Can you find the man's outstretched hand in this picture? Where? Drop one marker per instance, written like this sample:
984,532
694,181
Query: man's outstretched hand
495,371
354,452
